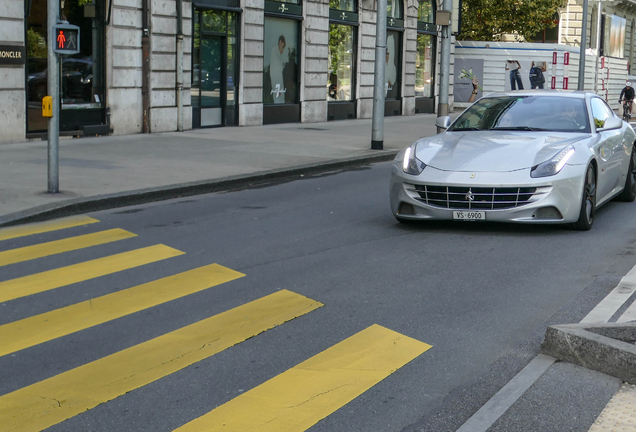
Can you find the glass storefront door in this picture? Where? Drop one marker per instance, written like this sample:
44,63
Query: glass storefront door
214,69
81,75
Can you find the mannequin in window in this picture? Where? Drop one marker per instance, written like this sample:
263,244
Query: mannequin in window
390,71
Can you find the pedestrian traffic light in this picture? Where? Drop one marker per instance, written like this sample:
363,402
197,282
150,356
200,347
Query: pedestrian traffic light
66,39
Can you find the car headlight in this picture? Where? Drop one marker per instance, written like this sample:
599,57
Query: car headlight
554,165
411,164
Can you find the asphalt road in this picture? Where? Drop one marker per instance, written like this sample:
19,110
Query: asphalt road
480,294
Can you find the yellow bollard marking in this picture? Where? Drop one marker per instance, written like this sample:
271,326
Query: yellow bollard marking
303,395
42,227
70,319
58,246
61,397
48,280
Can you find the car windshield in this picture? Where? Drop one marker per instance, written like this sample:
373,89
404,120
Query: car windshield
525,113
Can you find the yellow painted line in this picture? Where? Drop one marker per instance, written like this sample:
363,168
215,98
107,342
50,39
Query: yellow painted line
48,280
61,397
58,246
303,395
42,227
60,322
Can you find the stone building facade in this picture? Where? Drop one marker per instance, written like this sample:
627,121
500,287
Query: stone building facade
166,65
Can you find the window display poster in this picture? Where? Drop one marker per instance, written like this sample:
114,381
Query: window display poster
525,74
280,62
468,77
392,66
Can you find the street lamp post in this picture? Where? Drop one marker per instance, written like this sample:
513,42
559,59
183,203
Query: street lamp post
377,125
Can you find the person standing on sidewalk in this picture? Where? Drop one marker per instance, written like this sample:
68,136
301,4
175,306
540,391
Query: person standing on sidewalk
515,77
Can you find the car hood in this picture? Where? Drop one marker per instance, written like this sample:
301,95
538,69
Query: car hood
501,151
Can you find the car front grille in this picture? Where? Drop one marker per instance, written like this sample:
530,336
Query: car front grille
476,198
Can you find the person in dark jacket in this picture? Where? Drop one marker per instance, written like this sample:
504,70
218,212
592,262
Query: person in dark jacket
628,91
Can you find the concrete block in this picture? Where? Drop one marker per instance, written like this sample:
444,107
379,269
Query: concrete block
126,38
127,57
313,111
253,48
126,78
251,114
11,31
162,98
253,79
253,95
136,4
366,80
164,7
317,9
253,32
317,51
12,77
163,80
316,37
317,23
256,4
316,93
186,25
365,108
607,348
367,54
13,115
365,92
164,62
315,65
164,26
165,44
367,16
125,110
367,67
253,64
126,18
408,106
367,42
253,16
12,9
163,119
315,79
187,117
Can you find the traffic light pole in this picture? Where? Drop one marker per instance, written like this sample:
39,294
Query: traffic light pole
377,122
53,75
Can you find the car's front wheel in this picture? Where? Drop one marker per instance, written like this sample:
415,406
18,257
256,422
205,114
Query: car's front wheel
588,201
629,191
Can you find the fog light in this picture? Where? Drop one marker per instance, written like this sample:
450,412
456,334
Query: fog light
548,213
406,209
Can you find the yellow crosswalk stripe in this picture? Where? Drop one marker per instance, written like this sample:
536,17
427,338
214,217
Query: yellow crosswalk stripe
42,227
65,245
49,402
298,398
60,322
48,280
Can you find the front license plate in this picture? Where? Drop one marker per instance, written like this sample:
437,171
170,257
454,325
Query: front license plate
469,215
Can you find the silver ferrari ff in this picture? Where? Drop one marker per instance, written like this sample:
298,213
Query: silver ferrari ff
538,156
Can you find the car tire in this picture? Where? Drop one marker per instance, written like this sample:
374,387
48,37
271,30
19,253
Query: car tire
588,201
629,191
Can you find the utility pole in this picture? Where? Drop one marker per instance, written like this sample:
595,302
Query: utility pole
53,75
442,107
377,124
581,83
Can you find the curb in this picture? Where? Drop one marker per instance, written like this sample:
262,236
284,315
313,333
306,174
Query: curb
607,348
142,196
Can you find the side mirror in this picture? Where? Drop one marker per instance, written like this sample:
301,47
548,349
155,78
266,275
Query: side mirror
611,123
443,122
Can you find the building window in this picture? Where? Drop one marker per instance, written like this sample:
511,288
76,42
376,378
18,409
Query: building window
392,71
280,83
424,66
341,62
394,9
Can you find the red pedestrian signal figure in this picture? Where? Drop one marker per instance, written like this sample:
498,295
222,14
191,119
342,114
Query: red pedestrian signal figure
61,39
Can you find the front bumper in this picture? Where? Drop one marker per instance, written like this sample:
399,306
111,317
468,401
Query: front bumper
562,192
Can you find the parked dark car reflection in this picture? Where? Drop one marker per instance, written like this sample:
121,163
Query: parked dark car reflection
77,77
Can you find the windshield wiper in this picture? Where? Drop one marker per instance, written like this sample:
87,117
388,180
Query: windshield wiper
519,128
466,129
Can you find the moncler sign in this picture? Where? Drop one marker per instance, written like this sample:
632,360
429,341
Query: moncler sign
12,55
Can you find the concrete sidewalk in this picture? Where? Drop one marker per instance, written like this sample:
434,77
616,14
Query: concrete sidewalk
106,172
